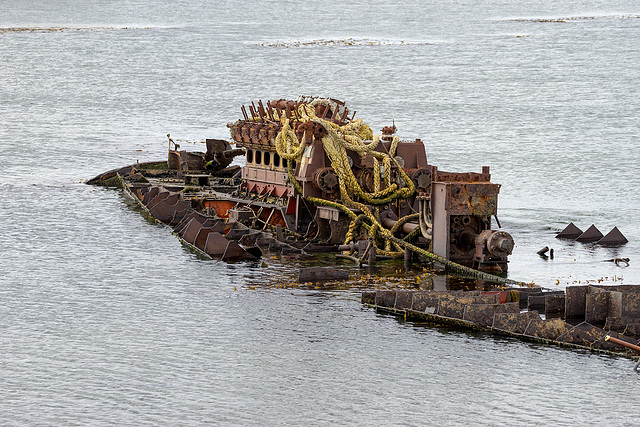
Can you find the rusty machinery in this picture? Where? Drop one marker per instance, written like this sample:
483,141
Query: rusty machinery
462,206
455,209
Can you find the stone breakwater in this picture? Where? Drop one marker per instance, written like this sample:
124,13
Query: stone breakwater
580,317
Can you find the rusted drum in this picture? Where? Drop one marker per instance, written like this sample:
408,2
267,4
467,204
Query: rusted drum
326,180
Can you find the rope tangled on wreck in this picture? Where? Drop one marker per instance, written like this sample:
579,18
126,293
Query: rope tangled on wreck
336,141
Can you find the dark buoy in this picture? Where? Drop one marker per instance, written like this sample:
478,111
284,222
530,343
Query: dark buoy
614,237
591,235
570,232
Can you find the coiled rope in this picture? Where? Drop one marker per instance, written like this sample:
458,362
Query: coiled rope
336,142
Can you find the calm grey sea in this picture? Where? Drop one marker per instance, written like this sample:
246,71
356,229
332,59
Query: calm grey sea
107,319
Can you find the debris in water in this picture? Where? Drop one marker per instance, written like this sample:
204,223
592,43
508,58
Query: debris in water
591,235
613,238
63,29
569,232
343,42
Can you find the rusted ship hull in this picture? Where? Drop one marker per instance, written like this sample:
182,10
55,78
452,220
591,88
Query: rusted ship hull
316,179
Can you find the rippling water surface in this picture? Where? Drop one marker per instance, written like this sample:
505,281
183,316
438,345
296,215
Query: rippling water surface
106,318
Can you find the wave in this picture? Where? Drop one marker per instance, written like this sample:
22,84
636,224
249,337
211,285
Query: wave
343,42
62,29
573,18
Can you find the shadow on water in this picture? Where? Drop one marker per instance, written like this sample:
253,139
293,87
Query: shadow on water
386,274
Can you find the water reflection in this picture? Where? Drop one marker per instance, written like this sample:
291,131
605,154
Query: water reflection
282,271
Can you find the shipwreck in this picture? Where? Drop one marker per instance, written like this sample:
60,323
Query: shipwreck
316,179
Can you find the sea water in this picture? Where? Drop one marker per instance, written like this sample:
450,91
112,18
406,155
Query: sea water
106,319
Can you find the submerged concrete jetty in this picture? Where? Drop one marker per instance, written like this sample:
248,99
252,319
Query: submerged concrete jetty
582,317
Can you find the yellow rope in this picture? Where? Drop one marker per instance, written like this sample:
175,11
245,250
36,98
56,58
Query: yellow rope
336,142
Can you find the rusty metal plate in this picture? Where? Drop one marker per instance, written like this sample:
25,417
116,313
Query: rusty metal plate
149,195
514,322
191,231
479,199
235,252
164,210
160,196
331,214
582,334
386,298
216,244
201,238
548,329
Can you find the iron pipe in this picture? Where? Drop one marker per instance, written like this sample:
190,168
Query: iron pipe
407,227
622,343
